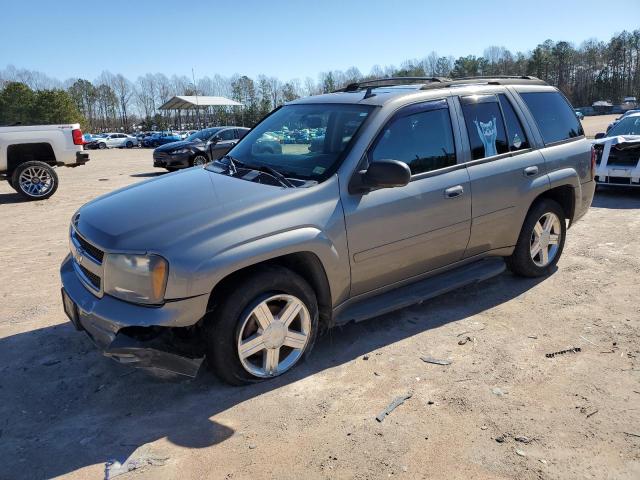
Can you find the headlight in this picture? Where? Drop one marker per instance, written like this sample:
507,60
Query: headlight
182,150
136,278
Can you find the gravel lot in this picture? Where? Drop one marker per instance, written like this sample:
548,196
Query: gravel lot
65,410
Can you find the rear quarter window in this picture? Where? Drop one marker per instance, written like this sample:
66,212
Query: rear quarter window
554,116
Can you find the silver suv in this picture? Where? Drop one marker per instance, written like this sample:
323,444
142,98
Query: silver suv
378,196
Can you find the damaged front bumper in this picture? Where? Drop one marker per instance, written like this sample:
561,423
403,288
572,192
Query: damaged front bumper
618,161
164,337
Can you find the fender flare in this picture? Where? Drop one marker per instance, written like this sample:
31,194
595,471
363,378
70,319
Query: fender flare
258,250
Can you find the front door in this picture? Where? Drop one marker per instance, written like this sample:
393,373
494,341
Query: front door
226,139
398,233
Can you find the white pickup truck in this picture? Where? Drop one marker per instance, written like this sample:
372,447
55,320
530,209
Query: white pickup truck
28,155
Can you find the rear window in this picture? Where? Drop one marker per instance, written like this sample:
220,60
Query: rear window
554,116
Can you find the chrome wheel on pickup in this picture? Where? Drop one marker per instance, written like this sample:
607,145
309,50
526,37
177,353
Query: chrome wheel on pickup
35,180
265,324
274,335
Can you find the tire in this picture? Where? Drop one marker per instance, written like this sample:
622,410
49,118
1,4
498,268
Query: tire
10,182
171,169
199,159
34,180
102,145
234,320
524,261
129,145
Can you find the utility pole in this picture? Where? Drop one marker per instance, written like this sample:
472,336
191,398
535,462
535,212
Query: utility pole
195,88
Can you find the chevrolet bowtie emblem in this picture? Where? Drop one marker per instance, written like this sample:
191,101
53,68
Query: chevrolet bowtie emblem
78,255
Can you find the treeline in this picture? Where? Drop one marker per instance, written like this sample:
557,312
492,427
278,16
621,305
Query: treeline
595,70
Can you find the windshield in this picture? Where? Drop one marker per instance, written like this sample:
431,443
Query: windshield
202,135
626,126
305,141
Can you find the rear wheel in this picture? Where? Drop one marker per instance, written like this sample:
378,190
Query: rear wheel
129,144
265,326
541,240
35,180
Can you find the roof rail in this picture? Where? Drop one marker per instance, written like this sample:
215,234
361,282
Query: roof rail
390,82
490,80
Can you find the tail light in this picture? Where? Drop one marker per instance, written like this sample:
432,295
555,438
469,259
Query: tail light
593,162
77,137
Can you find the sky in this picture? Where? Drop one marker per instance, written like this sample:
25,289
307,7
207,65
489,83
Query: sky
287,39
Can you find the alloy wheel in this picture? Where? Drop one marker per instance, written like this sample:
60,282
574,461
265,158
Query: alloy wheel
35,181
199,160
545,239
274,335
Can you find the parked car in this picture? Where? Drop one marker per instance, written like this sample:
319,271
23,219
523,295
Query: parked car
161,138
112,140
625,114
415,191
618,153
29,154
198,148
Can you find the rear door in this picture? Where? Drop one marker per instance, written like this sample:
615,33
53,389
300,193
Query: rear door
395,234
506,172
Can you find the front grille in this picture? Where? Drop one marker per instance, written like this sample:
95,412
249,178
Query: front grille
93,278
620,180
95,252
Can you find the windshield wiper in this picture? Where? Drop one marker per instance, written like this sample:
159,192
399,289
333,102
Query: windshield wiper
234,163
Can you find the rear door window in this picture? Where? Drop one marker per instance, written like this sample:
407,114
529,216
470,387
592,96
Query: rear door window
515,134
554,116
420,136
228,134
485,126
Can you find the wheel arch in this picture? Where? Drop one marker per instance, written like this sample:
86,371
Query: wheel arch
20,153
304,263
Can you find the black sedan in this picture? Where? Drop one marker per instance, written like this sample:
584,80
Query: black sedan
198,148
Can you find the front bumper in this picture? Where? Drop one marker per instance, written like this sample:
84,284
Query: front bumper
169,160
109,321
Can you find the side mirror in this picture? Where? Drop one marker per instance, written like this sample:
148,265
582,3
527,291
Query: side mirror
381,174
600,135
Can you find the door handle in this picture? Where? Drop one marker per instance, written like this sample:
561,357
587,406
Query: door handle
530,171
453,192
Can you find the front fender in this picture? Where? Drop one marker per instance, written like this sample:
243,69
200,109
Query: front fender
303,239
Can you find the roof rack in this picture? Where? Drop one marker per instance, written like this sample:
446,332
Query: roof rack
390,82
489,80
441,82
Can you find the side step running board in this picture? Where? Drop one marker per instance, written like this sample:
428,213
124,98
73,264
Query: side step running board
420,291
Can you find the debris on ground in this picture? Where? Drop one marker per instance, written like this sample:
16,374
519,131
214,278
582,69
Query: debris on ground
521,453
435,361
522,439
138,459
393,405
464,340
632,434
366,357
498,391
501,439
562,352
592,413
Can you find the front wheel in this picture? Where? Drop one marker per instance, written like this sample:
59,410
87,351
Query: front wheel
35,180
102,146
129,145
541,240
266,324
199,160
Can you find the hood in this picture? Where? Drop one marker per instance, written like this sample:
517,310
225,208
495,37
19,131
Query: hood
158,213
179,144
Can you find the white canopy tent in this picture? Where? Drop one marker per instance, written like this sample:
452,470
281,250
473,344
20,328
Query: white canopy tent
197,102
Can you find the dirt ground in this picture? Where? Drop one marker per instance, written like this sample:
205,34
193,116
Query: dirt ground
65,410
596,124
